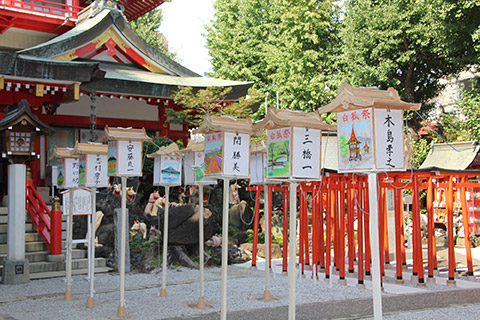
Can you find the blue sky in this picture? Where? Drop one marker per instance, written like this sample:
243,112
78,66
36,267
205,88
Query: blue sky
182,26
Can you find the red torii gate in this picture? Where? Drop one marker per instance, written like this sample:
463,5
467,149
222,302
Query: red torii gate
336,193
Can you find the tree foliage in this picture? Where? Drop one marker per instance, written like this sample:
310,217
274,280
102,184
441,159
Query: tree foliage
409,45
470,105
282,45
197,103
146,27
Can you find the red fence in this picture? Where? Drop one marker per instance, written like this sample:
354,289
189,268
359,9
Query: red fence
54,8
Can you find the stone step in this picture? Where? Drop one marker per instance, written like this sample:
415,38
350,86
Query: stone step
28,227
42,255
29,237
29,247
3,211
55,274
3,219
44,266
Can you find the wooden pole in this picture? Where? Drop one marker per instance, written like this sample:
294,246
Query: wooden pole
292,259
163,290
376,283
226,195
121,312
91,248
268,228
68,269
201,240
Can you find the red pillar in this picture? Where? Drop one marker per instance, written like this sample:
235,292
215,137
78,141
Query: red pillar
431,227
381,229
351,230
450,226
341,235
328,242
417,232
468,246
56,228
398,230
255,225
360,210
366,224
285,228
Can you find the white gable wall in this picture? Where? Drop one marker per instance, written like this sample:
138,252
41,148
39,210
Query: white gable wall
111,108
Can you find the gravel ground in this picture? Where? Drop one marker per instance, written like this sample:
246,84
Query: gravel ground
43,299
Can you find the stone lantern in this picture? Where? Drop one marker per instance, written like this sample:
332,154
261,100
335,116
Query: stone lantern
18,130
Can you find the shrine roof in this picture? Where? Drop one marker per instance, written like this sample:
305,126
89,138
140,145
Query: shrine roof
452,156
19,65
93,30
19,111
63,153
90,148
129,134
127,79
224,123
280,118
349,98
170,150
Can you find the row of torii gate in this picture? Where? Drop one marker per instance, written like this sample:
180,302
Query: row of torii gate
340,199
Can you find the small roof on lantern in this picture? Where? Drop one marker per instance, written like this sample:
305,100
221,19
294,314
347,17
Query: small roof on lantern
281,118
129,134
257,148
170,150
90,148
63,153
194,146
20,111
224,123
350,98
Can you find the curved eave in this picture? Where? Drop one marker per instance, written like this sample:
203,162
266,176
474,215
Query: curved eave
278,118
224,124
89,30
351,98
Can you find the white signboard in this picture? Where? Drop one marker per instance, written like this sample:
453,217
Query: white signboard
194,169
355,140
167,170
93,170
258,163
306,153
82,202
67,173
129,158
236,155
389,139
279,148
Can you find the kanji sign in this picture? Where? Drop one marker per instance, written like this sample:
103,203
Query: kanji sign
236,154
93,170
389,139
355,140
67,173
306,153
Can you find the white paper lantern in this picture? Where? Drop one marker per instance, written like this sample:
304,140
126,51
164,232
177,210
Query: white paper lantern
93,164
67,168
167,169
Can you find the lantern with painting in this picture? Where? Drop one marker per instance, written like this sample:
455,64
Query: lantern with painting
67,167
370,128
167,169
293,143
227,143
258,164
194,163
92,171
125,147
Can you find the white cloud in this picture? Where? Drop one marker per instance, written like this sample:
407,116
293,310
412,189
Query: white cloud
183,25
